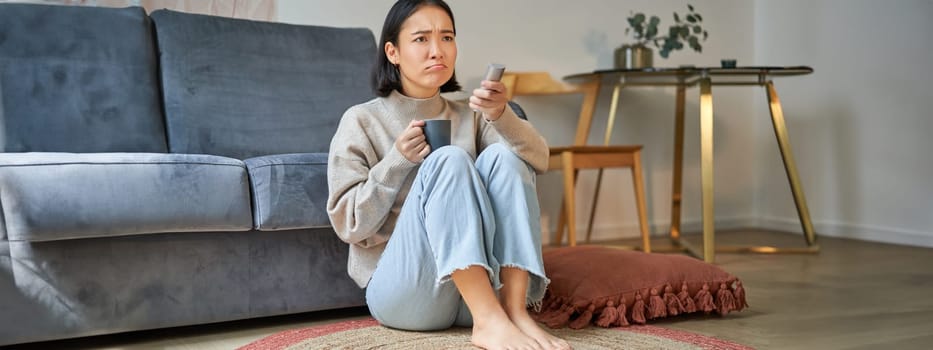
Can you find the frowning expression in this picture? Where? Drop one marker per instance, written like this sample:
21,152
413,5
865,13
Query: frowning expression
426,52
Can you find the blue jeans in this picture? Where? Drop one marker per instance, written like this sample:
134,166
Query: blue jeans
458,214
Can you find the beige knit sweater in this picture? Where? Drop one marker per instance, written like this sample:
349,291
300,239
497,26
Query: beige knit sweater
368,178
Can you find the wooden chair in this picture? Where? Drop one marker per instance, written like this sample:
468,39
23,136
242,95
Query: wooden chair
571,159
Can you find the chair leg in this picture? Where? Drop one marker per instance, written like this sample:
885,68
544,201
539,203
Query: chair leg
561,222
569,204
589,223
639,183
562,217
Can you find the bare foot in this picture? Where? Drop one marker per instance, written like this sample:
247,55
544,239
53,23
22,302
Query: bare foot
527,325
498,333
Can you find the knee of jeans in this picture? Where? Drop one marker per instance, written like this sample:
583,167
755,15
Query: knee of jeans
449,156
503,157
496,149
400,316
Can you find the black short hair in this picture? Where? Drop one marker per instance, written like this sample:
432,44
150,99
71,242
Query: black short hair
385,75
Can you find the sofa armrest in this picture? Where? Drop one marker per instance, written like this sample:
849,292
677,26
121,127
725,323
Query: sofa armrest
289,191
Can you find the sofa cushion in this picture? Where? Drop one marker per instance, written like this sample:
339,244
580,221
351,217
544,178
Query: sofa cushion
289,191
78,79
52,196
231,86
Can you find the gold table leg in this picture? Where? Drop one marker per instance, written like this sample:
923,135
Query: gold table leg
677,186
676,195
780,132
706,168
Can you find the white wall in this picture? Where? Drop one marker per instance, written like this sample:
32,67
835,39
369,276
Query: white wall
853,125
860,125
565,37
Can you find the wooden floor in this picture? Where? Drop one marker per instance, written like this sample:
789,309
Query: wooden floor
853,295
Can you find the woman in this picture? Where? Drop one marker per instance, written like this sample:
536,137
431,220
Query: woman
461,231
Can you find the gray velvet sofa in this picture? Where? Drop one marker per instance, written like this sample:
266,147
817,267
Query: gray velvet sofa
167,169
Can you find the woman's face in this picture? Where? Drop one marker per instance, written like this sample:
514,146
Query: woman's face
426,52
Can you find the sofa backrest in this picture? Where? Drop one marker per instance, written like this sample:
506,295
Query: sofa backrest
78,79
241,89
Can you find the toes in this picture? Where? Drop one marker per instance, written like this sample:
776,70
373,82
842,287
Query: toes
558,344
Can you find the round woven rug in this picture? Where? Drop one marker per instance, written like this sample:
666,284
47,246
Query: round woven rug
368,334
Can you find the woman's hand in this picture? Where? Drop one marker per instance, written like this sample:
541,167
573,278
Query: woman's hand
412,143
489,99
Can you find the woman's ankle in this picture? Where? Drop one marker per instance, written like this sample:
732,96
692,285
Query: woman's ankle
513,311
495,319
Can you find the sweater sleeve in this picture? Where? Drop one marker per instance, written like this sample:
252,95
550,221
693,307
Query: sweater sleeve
362,188
518,134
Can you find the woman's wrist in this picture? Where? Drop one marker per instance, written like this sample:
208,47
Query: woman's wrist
498,114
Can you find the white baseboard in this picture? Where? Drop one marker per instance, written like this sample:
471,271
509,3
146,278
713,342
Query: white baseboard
823,228
727,223
852,231
657,229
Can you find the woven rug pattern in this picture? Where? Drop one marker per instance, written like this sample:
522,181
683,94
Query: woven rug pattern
368,334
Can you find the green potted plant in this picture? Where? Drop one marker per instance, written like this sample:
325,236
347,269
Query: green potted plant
686,31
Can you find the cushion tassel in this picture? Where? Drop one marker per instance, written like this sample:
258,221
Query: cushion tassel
685,300
609,315
704,300
554,304
656,306
674,307
539,316
584,320
638,310
545,317
544,314
725,298
561,319
621,321
545,310
739,293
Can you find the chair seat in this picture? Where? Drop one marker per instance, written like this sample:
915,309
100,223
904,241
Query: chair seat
594,157
596,149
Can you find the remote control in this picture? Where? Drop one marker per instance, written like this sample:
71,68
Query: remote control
494,72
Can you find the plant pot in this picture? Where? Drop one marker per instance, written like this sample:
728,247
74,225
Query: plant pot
633,57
